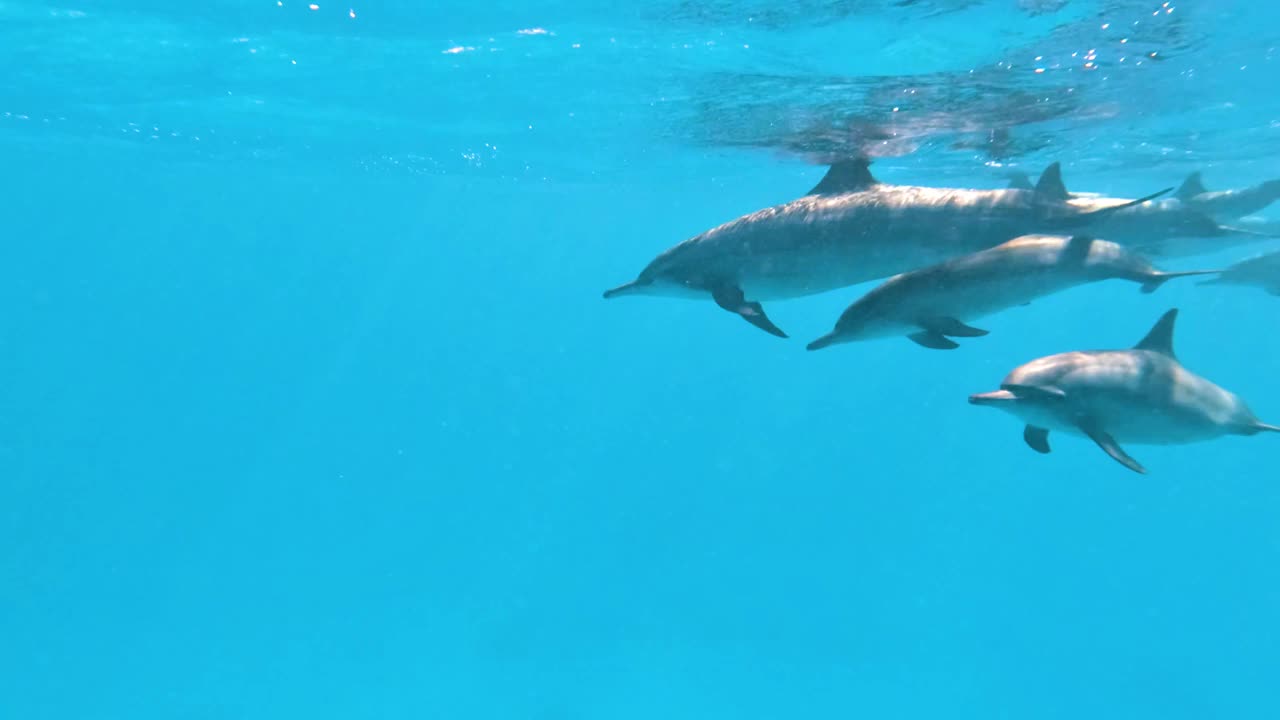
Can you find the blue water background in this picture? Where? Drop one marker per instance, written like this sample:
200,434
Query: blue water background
312,408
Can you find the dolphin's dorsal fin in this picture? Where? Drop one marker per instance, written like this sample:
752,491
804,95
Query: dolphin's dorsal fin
1160,338
1077,249
1020,181
1050,186
845,176
1190,187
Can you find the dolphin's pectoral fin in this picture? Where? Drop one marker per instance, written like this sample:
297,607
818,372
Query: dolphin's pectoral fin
933,340
1037,438
1111,447
950,326
730,298
935,331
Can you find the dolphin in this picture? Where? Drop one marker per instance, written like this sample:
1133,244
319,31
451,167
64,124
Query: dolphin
932,303
851,228
1171,229
1161,228
1261,271
1140,396
1261,225
1220,205
1226,205
1177,226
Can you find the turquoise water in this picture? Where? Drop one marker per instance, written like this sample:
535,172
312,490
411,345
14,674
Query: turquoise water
312,408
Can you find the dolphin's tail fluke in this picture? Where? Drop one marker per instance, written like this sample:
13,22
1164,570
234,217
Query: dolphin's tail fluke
624,289
1156,279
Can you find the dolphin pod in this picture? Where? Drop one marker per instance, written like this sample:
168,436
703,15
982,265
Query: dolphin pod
851,228
949,256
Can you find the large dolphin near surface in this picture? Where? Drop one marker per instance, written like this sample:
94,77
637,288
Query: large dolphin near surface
851,228
1141,395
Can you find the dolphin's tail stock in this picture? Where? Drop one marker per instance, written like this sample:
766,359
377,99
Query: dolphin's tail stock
1158,278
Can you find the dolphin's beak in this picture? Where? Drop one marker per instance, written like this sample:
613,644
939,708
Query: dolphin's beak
625,289
824,341
992,398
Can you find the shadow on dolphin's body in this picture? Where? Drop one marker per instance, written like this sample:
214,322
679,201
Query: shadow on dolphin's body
933,304
851,228
1142,396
